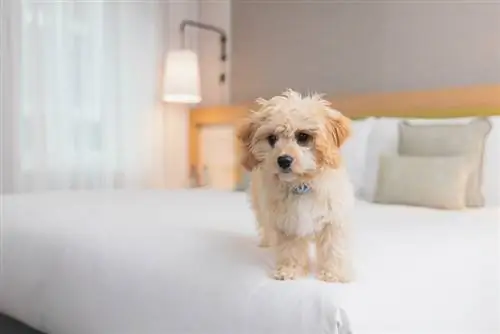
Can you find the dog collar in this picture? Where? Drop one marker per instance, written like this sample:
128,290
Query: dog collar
301,189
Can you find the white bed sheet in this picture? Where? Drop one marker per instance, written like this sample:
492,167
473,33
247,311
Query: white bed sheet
152,262
187,262
425,271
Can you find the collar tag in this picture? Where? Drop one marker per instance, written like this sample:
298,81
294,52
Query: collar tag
301,189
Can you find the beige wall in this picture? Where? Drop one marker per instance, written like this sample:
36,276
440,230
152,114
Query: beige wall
336,47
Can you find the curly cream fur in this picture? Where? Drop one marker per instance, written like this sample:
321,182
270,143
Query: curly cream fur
288,221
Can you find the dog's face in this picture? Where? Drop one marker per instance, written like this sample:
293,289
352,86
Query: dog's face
293,137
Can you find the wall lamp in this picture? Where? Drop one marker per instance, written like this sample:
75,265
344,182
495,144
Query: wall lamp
181,81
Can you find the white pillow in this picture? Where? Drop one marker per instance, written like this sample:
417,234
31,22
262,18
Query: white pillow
354,150
383,139
491,165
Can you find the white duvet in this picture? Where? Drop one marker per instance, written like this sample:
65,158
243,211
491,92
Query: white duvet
186,262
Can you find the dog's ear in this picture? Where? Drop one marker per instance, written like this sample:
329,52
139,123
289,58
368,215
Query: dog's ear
245,133
336,131
339,128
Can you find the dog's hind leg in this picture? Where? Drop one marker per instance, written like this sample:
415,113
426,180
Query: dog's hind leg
265,229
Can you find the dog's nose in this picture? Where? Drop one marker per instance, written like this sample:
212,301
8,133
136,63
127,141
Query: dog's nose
285,161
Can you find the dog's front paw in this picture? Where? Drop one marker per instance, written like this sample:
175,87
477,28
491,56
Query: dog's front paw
332,276
284,273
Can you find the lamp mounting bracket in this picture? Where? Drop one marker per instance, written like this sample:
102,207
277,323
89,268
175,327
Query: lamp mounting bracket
209,27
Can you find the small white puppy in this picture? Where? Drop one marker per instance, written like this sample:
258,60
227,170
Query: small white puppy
300,191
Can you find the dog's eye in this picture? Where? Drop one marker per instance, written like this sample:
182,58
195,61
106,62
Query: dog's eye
302,138
272,139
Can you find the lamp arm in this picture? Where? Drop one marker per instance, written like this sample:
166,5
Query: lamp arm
200,25
221,32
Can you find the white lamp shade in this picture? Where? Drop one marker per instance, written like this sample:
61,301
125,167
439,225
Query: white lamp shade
181,81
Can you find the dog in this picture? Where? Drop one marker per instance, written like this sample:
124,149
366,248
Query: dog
299,189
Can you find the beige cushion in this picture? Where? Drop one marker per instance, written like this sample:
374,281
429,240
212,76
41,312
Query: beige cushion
450,140
434,182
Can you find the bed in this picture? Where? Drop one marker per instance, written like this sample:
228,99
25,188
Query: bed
180,262
187,261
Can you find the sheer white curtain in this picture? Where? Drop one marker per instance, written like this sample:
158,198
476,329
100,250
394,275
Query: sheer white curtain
89,109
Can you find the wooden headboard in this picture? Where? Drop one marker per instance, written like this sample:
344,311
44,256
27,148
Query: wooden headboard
442,103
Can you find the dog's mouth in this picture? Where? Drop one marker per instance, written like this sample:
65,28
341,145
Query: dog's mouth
291,175
286,176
